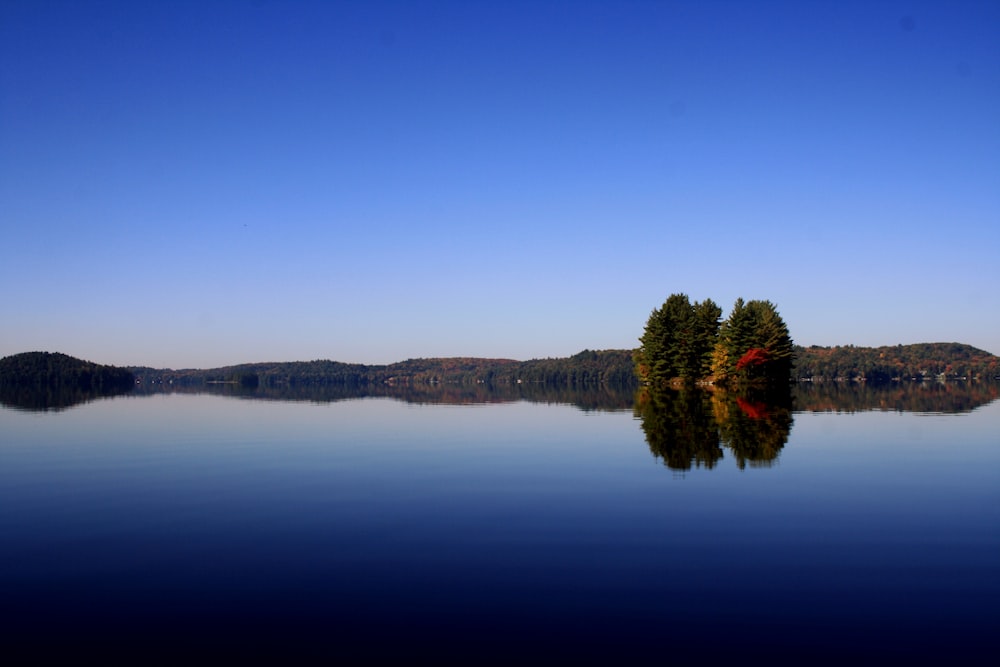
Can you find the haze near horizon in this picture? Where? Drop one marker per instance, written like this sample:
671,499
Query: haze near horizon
194,185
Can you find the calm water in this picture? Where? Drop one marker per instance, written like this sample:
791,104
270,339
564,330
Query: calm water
206,527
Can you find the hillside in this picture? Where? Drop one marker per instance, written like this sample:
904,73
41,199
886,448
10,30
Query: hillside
52,381
903,362
56,370
585,368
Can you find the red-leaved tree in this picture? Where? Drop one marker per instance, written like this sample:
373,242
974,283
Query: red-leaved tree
753,358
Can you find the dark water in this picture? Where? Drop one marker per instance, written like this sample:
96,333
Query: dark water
207,528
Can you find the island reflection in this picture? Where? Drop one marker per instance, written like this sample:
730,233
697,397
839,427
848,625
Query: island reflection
690,427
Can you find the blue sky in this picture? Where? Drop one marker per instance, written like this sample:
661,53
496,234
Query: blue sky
196,184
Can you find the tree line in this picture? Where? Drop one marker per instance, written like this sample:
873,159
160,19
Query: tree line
584,369
682,342
723,354
949,361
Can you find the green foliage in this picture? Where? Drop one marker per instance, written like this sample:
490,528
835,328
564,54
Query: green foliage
707,315
755,325
678,341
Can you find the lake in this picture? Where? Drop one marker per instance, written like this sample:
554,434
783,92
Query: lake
478,527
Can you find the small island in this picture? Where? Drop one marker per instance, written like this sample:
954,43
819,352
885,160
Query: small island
686,343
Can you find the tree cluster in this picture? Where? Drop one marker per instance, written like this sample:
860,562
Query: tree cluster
685,342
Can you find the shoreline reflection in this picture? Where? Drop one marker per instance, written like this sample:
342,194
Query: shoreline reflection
955,397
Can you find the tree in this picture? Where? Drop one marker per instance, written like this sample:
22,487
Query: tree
658,359
706,332
678,341
754,345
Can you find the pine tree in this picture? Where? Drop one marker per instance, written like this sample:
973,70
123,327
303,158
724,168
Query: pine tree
706,332
754,345
661,358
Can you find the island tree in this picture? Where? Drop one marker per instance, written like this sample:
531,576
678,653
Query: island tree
753,345
678,341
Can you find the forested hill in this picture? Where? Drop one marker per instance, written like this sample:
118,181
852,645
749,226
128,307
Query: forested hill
904,362
584,368
53,370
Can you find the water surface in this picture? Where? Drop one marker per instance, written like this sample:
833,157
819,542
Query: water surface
204,526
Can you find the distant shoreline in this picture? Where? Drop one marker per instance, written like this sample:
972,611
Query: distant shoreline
914,362
918,361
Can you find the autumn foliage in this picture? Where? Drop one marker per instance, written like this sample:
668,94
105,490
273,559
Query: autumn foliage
754,357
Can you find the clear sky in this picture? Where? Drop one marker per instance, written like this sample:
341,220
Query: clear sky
197,184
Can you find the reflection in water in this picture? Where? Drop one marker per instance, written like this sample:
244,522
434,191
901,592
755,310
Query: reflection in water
926,397
680,426
43,399
216,527
754,426
690,426
592,398
939,397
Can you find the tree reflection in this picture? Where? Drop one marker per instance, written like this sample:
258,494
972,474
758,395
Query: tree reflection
754,425
43,399
926,397
680,426
598,397
688,427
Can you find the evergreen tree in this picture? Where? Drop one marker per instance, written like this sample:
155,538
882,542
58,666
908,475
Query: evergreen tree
661,355
706,332
754,345
772,335
678,341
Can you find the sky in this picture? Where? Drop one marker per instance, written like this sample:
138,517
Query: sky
199,184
